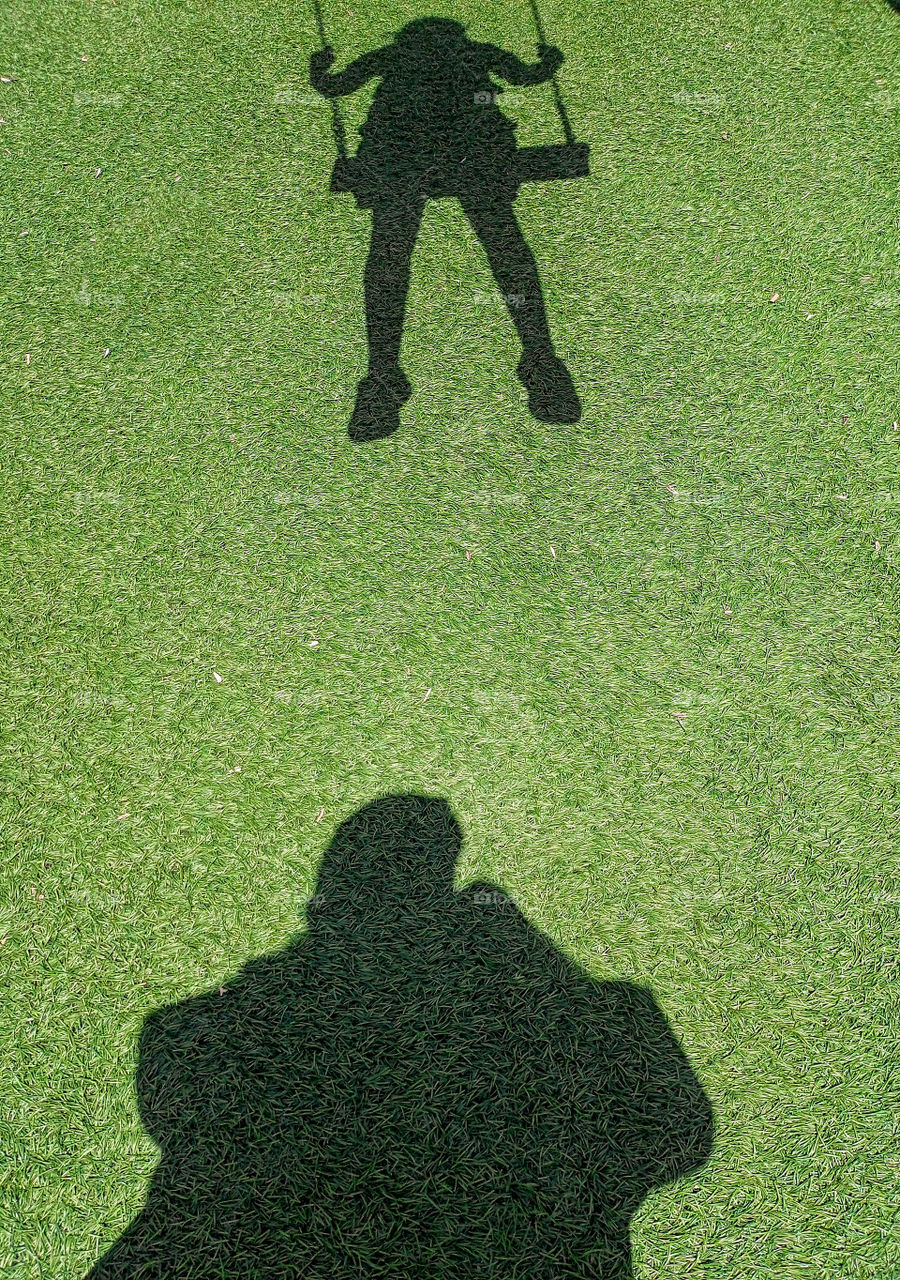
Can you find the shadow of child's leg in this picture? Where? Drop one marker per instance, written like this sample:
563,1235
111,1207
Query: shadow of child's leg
394,230
514,268
551,394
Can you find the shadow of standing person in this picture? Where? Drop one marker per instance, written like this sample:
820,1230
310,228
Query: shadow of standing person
419,1085
434,129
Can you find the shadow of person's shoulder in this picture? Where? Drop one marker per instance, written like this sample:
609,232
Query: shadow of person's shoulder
609,1037
190,1049
498,928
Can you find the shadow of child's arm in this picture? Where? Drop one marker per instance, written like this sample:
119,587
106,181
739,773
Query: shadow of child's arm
514,71
353,77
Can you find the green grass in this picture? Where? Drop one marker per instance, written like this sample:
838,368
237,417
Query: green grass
667,724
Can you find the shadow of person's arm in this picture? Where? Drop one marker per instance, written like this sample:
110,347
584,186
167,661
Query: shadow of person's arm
353,77
511,69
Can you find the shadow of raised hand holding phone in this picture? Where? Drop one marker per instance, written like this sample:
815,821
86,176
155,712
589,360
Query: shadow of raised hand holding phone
435,130
420,1084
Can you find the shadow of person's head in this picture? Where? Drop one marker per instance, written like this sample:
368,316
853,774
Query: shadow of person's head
400,850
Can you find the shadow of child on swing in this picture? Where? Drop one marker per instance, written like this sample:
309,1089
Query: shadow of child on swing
435,129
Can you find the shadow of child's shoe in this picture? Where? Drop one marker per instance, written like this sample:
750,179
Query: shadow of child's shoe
379,399
551,393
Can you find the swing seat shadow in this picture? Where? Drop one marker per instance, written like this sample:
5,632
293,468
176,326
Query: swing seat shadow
553,162
435,130
420,1084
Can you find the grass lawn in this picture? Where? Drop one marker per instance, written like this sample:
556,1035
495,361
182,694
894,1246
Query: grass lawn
652,660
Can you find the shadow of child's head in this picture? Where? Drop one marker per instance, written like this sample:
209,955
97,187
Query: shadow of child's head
431,32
